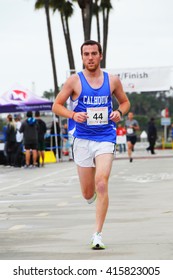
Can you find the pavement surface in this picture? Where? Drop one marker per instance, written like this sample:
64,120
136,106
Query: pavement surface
44,217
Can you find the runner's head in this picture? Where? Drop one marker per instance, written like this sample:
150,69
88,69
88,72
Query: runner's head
130,115
91,55
91,43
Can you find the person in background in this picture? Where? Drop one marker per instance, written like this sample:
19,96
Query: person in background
90,92
65,140
10,141
131,126
121,138
18,161
41,140
4,131
172,134
29,128
152,136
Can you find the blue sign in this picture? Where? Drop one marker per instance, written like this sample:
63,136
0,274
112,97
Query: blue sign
165,121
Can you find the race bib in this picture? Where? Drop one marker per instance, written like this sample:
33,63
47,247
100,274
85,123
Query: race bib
97,116
129,130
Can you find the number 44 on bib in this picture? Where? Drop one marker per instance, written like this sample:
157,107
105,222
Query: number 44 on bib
97,116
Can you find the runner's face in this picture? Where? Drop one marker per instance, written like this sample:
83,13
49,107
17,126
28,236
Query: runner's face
130,116
91,57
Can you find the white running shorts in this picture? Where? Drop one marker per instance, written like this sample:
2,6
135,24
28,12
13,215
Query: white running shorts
85,151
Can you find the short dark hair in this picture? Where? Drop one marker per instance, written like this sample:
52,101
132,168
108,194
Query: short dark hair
91,42
37,114
29,114
10,118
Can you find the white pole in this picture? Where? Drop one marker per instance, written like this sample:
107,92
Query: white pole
165,133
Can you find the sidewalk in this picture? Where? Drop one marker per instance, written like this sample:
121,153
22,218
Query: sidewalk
140,152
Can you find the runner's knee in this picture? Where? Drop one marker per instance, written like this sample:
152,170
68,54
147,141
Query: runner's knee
101,186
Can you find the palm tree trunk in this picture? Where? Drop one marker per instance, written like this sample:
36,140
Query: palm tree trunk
86,10
66,31
105,36
97,20
56,89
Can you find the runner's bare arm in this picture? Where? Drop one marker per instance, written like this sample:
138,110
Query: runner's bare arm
67,90
71,88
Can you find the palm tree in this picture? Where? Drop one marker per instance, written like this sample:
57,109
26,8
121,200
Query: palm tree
45,4
90,8
66,11
96,9
86,7
105,7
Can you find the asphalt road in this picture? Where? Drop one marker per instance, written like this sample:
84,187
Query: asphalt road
43,215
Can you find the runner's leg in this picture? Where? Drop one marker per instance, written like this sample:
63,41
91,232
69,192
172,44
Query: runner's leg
103,169
129,147
87,182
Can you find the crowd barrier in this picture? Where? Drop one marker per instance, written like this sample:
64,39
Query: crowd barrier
49,154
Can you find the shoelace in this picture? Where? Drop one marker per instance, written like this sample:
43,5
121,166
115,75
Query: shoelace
97,235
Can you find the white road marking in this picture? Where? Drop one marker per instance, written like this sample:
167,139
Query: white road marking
76,196
62,204
42,214
17,227
145,178
36,178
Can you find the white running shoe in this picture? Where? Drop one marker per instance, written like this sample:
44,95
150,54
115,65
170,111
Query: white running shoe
96,241
92,199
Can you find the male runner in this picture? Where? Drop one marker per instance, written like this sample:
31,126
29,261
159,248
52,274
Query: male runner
131,126
90,93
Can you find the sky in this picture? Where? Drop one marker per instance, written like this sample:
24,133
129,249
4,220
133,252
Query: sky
140,35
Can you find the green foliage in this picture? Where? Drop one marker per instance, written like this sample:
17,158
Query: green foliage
146,105
106,4
150,103
143,121
49,95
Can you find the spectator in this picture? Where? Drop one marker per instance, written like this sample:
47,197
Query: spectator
65,139
152,136
10,141
18,160
121,138
41,142
4,131
172,132
29,128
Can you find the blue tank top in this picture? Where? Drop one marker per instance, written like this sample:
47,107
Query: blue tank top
98,104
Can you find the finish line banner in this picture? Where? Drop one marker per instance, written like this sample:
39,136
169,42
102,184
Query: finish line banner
144,79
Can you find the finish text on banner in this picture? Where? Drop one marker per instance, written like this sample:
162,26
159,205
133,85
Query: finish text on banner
144,79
